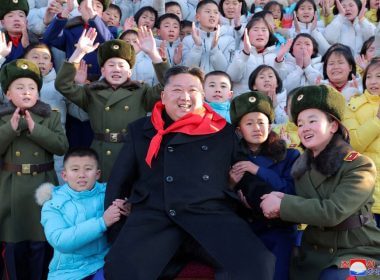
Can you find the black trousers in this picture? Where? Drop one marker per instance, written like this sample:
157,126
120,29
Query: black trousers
26,260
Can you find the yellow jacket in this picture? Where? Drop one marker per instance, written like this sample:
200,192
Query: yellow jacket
371,15
364,126
291,131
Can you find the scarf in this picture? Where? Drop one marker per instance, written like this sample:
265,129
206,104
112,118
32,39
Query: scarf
201,122
15,40
222,108
338,88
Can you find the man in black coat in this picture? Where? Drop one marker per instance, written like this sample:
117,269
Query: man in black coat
174,170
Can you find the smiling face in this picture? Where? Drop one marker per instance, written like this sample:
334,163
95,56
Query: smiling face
208,17
315,130
255,128
14,21
305,12
338,69
116,71
169,30
41,57
182,95
81,173
23,92
217,89
266,81
351,9
259,34
372,81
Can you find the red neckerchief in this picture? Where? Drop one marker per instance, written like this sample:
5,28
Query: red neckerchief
86,25
202,122
15,40
338,88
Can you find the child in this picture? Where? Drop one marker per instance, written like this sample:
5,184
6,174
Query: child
146,16
173,7
30,134
112,15
362,119
168,28
266,80
208,47
186,29
304,64
41,55
266,168
277,11
218,92
115,100
306,18
74,219
339,71
13,21
372,13
366,54
258,47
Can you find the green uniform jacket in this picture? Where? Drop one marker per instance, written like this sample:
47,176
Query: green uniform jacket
19,213
110,110
331,188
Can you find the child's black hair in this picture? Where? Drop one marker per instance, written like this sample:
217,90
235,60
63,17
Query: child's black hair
186,23
313,41
256,72
272,40
171,4
204,3
117,8
357,2
366,45
219,73
81,152
165,16
343,50
37,46
270,4
244,7
139,13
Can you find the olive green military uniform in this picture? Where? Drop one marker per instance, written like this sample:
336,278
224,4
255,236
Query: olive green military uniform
19,213
110,110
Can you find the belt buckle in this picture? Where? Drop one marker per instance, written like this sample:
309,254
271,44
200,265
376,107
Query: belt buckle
113,137
25,168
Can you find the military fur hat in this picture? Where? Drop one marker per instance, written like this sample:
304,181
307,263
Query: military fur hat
7,6
19,68
322,97
116,48
105,3
252,101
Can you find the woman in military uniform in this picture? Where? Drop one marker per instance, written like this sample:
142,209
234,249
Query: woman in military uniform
334,187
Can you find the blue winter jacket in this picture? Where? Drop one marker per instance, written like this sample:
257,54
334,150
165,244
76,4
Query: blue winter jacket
74,226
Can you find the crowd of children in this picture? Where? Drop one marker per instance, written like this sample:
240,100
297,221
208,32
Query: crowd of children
75,74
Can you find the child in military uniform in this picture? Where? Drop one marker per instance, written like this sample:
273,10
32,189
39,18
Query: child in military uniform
115,100
30,134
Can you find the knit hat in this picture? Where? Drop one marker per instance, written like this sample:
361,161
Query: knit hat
116,48
19,68
252,101
105,3
322,97
7,6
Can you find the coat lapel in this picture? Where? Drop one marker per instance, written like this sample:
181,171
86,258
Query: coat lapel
317,178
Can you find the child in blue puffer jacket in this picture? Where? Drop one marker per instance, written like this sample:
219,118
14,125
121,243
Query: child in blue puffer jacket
74,219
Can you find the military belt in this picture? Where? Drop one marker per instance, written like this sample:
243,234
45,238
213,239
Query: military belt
354,221
110,137
28,168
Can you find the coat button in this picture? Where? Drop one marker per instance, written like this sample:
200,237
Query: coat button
126,108
170,149
107,130
107,108
18,173
331,250
205,177
108,153
169,179
35,154
123,130
18,153
172,212
204,148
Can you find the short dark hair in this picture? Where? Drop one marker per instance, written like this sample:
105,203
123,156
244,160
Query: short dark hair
220,74
165,16
126,32
313,41
186,23
37,46
171,4
260,16
256,72
117,8
180,69
270,4
244,7
343,50
204,3
139,13
367,44
81,152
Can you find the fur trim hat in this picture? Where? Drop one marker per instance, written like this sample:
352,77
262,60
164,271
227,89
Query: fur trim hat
19,68
7,6
322,97
105,3
116,48
252,101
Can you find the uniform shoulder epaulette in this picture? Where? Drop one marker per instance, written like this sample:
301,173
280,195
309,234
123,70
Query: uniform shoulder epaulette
55,109
351,156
